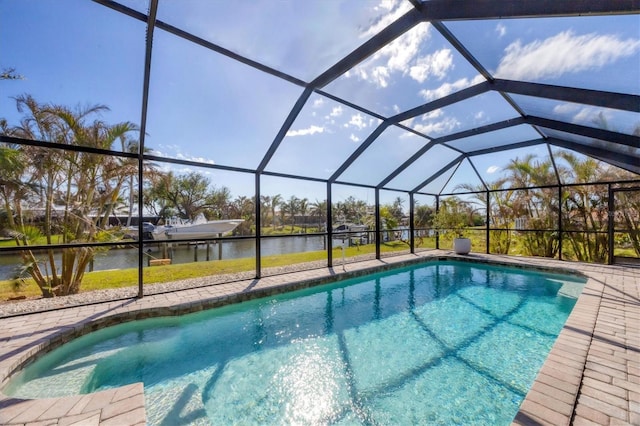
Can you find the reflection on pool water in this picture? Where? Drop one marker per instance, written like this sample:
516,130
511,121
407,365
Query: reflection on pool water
440,343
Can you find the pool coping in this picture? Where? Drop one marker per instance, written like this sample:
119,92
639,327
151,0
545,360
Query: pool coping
591,375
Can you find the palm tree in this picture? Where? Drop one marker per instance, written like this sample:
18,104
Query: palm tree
397,209
12,169
352,210
115,173
319,210
585,209
303,206
388,219
243,207
539,207
276,201
291,208
339,212
501,212
129,167
630,211
265,205
423,216
86,185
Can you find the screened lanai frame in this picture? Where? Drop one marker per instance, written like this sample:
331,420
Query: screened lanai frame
438,13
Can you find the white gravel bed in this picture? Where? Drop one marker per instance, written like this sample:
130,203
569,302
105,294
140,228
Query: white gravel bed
26,306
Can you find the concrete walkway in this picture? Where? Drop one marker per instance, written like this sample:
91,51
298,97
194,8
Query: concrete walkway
591,376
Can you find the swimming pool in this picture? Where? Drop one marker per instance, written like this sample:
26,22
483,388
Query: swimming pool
444,342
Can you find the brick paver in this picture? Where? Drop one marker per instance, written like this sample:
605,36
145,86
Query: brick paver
591,376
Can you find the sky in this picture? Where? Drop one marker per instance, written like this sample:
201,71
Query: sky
209,108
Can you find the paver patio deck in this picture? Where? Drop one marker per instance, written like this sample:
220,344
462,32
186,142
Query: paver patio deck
591,376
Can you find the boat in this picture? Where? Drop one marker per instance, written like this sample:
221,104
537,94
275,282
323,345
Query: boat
349,227
200,228
355,233
131,232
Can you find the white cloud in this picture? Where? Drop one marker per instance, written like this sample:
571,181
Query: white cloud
448,88
336,111
181,156
317,103
501,30
436,64
357,121
358,72
173,150
354,138
492,169
447,125
480,115
398,57
390,10
584,115
409,122
563,53
566,108
380,76
433,123
401,51
432,115
591,115
304,132
166,150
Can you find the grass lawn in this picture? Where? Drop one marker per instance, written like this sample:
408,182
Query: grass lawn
99,280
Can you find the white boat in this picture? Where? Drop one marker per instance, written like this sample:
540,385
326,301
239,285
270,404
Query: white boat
176,229
355,233
349,227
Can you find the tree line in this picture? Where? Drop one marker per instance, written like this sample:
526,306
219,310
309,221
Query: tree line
526,206
67,196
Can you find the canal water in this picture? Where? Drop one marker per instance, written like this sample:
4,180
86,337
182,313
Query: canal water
123,258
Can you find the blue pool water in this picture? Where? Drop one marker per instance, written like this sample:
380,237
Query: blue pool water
441,343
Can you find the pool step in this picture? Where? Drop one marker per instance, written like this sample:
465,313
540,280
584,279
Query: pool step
571,289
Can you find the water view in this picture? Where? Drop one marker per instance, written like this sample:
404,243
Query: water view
128,257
